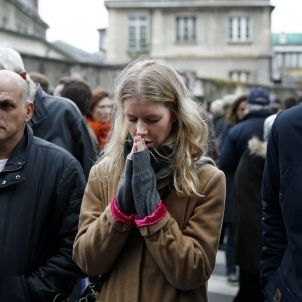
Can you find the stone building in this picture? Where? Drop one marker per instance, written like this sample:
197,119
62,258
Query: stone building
287,59
22,28
221,39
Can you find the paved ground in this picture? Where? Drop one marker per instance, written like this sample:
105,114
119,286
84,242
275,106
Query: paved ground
219,289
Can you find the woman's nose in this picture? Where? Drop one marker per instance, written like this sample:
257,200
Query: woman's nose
108,109
141,129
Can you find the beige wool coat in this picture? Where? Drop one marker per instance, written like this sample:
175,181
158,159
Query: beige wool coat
170,261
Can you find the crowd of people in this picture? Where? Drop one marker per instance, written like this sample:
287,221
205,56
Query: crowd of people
131,192
243,124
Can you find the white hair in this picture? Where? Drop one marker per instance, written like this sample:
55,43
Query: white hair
29,89
11,60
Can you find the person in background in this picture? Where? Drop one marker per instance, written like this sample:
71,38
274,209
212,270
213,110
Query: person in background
99,115
55,119
79,92
152,211
289,102
41,188
276,105
281,265
218,115
251,125
60,85
236,141
236,112
41,79
248,214
233,115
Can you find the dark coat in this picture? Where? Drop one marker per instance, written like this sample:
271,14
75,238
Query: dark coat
41,189
238,137
247,202
229,203
281,262
60,122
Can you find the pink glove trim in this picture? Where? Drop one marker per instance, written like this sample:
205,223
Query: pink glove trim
118,214
153,218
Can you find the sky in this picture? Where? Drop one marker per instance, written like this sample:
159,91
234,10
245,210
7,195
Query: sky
76,22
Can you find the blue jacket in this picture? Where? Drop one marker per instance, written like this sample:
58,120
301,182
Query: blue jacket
41,189
238,137
281,262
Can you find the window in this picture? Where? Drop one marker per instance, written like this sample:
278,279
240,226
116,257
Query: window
240,76
185,29
239,29
291,60
288,60
138,34
299,60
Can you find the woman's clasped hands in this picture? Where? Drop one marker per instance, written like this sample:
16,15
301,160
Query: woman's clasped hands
137,193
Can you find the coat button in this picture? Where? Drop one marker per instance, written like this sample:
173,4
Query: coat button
18,176
4,182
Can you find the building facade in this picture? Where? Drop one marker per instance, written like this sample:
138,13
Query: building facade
287,59
22,29
22,16
221,39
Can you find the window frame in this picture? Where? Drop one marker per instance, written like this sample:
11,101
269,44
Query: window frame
139,28
186,29
239,29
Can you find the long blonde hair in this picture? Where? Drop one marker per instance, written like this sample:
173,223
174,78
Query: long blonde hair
150,80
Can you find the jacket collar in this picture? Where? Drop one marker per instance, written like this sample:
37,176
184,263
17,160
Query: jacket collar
40,111
257,113
18,156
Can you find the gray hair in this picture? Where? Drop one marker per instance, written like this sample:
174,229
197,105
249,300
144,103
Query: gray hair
28,89
11,60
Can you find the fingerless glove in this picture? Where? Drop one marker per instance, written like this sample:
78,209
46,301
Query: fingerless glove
124,191
145,194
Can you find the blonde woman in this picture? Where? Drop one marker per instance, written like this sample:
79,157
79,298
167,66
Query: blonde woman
152,211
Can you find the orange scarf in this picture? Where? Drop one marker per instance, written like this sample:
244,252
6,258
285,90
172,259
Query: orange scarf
101,130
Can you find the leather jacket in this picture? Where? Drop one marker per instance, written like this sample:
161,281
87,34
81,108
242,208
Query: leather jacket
59,121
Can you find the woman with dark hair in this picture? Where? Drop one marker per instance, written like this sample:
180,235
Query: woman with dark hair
99,115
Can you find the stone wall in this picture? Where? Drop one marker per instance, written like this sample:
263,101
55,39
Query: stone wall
94,75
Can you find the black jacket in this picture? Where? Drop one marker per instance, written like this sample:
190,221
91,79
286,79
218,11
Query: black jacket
247,202
281,262
238,137
59,121
41,189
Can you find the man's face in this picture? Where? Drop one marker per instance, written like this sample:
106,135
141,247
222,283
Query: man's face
14,111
